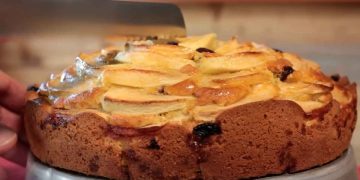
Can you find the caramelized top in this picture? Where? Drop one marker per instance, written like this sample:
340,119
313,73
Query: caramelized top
152,82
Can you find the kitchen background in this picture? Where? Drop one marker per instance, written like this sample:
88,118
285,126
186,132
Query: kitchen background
327,32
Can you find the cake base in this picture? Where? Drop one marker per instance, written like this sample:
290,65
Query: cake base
343,167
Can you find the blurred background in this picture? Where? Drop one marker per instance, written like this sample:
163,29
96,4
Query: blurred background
327,31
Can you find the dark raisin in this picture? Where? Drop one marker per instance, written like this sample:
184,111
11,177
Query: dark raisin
56,120
152,38
335,77
278,50
161,90
93,165
108,58
173,43
287,70
32,88
200,50
153,144
205,130
127,47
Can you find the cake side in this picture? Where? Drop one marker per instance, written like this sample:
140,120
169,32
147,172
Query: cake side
74,143
256,139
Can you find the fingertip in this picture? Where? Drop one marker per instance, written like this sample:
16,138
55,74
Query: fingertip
3,174
13,93
8,139
10,120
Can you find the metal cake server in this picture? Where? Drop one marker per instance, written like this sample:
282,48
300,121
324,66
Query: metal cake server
100,17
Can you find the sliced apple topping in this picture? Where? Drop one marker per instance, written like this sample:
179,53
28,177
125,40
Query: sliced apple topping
172,51
149,83
152,59
144,121
215,80
308,96
135,101
260,92
299,63
309,106
136,77
208,41
340,95
233,47
221,96
311,76
245,80
188,69
134,121
300,89
183,88
228,46
277,66
295,60
234,63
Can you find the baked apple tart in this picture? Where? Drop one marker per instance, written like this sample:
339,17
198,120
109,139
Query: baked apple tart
190,108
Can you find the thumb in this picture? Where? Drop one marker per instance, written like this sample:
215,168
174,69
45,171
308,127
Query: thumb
8,139
3,174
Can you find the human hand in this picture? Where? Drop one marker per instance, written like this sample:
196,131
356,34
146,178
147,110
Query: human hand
12,101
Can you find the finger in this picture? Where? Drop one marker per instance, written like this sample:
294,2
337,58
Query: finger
14,122
8,139
12,170
3,39
12,93
18,154
10,119
3,174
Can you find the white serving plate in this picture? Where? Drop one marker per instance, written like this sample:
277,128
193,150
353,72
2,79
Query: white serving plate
343,168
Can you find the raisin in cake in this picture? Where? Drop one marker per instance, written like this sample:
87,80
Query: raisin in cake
190,108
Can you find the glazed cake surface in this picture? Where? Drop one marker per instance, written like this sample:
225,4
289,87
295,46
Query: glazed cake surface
190,108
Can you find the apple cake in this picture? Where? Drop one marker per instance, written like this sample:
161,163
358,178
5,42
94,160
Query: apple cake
190,108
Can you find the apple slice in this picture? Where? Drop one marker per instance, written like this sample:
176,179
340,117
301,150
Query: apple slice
206,41
233,63
183,88
245,80
312,76
260,92
308,96
216,80
154,59
144,121
341,95
228,46
221,96
141,77
171,51
301,91
130,101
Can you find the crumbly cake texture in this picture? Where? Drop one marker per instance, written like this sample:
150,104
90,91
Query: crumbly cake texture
190,108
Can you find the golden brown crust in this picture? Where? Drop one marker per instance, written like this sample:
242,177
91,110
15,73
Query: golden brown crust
257,139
